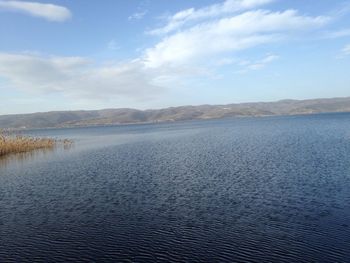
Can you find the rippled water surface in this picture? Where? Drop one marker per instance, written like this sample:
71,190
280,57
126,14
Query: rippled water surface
258,190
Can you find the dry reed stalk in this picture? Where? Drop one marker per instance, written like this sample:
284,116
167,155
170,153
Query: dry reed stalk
10,144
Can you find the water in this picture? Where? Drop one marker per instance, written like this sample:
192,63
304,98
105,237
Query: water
258,190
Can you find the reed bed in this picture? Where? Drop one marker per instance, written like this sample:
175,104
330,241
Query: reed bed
10,144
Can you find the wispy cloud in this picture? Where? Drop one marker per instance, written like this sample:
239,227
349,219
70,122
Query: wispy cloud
224,61
113,45
337,33
346,50
193,42
229,34
183,17
341,10
248,65
137,15
49,12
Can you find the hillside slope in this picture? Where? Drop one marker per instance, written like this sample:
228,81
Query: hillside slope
125,116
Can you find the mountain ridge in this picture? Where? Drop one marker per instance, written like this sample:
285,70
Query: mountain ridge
78,118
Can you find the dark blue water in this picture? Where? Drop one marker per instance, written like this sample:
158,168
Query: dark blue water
258,190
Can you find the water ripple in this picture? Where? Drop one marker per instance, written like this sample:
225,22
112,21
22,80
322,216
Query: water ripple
252,190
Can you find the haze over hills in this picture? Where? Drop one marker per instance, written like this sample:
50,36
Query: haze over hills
128,116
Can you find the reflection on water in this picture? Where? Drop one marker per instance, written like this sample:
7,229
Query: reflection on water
20,158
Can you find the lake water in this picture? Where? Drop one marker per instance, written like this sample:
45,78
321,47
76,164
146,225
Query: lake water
257,189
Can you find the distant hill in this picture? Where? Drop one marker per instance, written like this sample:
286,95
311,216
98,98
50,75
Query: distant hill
128,116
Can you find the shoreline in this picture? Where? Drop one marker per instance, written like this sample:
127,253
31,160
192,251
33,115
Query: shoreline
171,121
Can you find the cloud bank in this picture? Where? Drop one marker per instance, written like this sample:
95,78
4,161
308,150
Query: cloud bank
192,42
76,76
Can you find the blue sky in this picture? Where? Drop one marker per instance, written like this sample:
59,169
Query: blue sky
69,55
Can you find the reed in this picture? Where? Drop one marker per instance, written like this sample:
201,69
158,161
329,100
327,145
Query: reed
10,143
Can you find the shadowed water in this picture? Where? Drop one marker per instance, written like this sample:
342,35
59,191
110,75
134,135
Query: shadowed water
258,190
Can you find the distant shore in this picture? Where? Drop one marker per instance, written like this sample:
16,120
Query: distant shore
127,116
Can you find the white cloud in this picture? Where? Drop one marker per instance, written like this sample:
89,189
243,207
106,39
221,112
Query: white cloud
259,64
78,77
341,9
346,50
263,62
137,15
181,18
224,61
49,12
228,34
338,33
190,48
113,45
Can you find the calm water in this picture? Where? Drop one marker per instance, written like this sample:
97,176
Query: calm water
258,190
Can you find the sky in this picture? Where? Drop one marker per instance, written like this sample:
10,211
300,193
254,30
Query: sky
147,54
